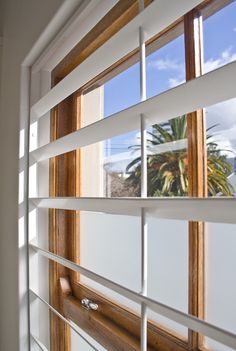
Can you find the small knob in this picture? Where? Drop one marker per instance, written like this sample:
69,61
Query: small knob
88,304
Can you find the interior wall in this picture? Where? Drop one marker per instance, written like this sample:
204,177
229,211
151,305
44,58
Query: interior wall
22,23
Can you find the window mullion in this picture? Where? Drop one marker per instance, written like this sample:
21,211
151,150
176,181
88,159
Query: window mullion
197,172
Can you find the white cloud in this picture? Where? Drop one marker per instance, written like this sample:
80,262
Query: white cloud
224,134
225,57
223,114
173,82
166,64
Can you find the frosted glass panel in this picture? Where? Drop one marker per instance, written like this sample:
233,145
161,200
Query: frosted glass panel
110,246
220,295
168,267
77,343
216,346
167,324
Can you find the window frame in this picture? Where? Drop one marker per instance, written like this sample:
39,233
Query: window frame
65,290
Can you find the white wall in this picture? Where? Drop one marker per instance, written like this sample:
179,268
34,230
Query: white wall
23,21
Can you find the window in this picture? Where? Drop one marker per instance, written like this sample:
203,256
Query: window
177,160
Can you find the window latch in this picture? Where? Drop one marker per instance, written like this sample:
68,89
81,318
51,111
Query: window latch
88,304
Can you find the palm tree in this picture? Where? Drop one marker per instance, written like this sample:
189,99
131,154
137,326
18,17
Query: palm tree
167,172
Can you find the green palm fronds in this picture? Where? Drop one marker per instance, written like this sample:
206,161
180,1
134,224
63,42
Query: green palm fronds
168,171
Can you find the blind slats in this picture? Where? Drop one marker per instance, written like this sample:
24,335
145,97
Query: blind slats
39,343
188,321
219,210
65,320
209,89
155,18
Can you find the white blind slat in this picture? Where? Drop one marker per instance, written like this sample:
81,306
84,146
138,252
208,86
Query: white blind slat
39,343
156,17
209,89
219,210
189,321
65,320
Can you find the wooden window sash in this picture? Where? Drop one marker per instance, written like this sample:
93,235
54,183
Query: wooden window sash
64,225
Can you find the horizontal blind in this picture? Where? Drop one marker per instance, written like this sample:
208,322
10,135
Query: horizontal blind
216,210
156,17
189,321
186,98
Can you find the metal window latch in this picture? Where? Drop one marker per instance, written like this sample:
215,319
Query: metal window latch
88,304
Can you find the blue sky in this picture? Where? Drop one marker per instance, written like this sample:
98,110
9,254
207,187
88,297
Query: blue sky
166,68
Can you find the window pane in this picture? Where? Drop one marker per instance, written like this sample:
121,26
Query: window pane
104,167
120,156
108,159
220,297
220,118
221,148
110,246
166,66
219,33
122,91
216,346
168,267
77,342
167,160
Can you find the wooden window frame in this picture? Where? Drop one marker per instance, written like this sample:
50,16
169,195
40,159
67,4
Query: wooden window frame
115,327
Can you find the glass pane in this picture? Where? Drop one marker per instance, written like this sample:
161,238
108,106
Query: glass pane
219,33
167,160
221,148
166,66
220,297
216,346
105,167
168,325
110,246
77,342
108,159
122,91
220,118
168,267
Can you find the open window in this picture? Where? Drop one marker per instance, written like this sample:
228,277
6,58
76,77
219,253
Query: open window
179,157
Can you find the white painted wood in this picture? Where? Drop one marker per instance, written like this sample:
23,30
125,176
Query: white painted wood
218,210
156,17
185,98
185,319
88,14
65,320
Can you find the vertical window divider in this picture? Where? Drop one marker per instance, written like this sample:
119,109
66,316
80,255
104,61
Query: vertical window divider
144,229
